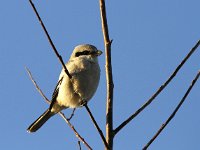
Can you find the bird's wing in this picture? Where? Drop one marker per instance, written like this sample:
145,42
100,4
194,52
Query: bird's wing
55,93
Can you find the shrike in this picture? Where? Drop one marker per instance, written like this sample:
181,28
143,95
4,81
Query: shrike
72,93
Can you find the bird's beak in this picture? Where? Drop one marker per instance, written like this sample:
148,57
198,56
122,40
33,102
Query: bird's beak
98,52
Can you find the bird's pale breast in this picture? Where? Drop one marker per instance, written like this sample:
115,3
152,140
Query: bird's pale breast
82,86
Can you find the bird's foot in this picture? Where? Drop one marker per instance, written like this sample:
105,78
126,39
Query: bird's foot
83,103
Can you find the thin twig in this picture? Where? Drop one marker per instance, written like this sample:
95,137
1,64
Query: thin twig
109,77
72,114
49,39
174,112
96,125
60,113
37,87
158,91
79,145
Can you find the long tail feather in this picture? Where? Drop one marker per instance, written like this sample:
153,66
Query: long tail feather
40,121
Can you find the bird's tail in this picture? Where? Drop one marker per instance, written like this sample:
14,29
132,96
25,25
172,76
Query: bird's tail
40,121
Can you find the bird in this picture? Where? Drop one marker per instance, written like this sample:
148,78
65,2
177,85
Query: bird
76,91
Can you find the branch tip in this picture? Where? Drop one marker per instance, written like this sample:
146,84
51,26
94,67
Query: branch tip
174,112
160,89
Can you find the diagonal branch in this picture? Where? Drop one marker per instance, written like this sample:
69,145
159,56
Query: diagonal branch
96,125
109,78
174,112
75,131
60,113
36,86
49,39
122,125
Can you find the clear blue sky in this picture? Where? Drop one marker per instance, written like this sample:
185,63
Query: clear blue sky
150,38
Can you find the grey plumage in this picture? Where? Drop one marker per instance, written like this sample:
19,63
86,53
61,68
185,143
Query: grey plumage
72,93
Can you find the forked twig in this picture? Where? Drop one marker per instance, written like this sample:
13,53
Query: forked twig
96,125
60,113
158,91
174,112
49,39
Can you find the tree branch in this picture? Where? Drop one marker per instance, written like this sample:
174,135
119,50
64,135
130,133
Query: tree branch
36,86
122,125
174,112
75,131
96,125
60,113
109,78
49,39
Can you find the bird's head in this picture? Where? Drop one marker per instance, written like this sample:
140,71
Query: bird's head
86,50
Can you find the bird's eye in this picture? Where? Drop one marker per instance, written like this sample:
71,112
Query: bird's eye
82,53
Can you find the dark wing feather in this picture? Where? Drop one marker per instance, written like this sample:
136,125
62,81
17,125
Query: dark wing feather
55,93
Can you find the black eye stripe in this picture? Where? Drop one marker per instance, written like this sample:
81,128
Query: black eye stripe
84,53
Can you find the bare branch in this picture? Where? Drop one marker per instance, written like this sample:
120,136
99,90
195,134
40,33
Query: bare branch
36,86
60,113
96,125
49,39
75,131
104,22
174,112
109,78
158,91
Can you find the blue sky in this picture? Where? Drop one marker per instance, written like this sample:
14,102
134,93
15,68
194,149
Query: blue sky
150,38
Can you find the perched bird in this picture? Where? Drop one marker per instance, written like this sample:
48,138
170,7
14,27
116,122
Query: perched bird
72,93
